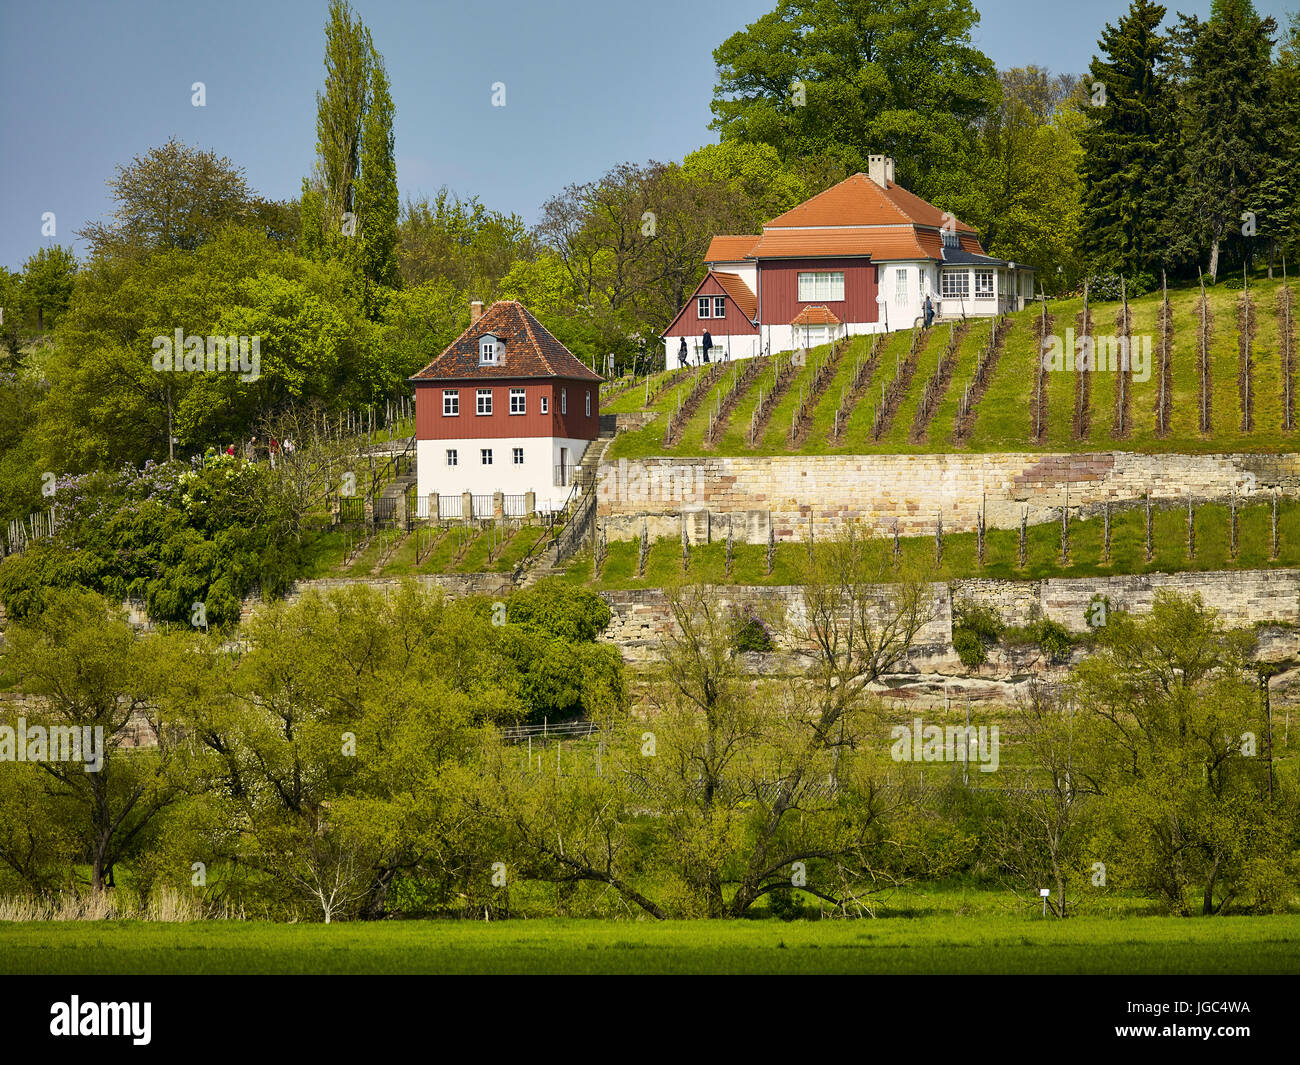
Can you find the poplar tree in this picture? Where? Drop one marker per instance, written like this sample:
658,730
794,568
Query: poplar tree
376,191
349,204
1129,146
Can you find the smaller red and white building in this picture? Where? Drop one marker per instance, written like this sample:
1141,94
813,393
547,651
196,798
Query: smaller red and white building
506,408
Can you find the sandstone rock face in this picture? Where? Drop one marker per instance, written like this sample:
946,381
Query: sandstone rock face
1244,599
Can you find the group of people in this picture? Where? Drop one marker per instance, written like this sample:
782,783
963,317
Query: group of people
251,448
706,346
683,355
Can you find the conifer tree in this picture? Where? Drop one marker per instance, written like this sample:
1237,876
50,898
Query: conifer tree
1129,146
1279,193
1224,109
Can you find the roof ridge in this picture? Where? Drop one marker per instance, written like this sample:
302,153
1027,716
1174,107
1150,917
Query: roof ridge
883,192
512,320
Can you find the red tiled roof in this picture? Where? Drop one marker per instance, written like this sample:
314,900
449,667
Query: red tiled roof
530,351
881,244
903,241
785,243
859,201
815,316
735,287
729,249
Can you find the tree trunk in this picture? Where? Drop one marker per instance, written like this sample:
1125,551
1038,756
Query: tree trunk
1214,259
374,910
1207,904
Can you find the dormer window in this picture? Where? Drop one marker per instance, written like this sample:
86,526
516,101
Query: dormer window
489,350
950,238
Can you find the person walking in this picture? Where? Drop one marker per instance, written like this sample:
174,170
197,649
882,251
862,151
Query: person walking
681,355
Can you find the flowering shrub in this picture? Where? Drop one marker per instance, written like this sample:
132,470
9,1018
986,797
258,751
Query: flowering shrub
749,633
164,534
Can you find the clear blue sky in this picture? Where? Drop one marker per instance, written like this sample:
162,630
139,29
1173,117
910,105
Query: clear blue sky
85,85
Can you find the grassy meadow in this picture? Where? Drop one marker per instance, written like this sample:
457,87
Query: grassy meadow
969,940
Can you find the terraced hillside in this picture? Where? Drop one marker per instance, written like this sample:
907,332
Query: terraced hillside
1245,403
1133,547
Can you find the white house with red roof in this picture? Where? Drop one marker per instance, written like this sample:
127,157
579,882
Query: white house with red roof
506,408
860,257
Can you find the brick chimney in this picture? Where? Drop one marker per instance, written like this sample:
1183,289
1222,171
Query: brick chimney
880,168
475,311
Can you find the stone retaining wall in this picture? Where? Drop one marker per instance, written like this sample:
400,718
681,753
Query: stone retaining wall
877,490
455,585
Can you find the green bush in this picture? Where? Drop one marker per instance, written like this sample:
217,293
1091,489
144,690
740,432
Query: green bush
969,648
560,609
975,627
784,904
1053,639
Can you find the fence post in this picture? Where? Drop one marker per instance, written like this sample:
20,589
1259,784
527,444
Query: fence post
498,505
467,506
530,504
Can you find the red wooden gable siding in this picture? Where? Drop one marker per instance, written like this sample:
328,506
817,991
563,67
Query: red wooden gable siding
733,324
778,290
432,424
689,323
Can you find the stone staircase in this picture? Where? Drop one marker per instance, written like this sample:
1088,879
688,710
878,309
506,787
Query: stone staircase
580,518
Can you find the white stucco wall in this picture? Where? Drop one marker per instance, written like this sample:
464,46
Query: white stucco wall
535,474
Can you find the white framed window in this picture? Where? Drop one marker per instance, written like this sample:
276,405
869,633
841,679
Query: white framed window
519,456
487,350
813,335
450,402
564,401
719,306
484,405
900,288
950,238
451,456
983,284
546,404
517,401
704,307
825,285
589,403
954,284
485,456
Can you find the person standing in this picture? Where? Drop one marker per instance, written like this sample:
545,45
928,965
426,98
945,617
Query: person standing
929,310
708,343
